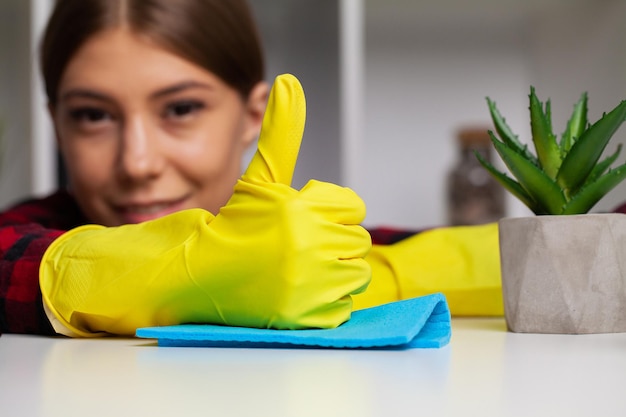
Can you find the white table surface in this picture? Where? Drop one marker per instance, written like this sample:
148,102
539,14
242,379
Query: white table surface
485,371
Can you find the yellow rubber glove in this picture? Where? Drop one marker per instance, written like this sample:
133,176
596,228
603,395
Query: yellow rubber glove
462,262
273,256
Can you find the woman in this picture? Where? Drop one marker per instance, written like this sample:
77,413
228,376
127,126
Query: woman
128,65
154,104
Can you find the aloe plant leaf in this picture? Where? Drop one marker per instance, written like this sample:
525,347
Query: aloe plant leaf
586,151
506,134
591,193
510,184
537,184
548,113
576,125
548,151
602,166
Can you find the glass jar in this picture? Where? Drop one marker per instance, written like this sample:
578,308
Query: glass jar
473,195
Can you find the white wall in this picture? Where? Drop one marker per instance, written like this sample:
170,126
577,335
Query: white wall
423,82
428,70
15,174
28,163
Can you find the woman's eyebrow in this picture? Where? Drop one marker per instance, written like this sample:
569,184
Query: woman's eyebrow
85,93
91,94
176,88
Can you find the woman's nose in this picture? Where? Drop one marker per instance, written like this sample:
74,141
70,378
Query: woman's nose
140,156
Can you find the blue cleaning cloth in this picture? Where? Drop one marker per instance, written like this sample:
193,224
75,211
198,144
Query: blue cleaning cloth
422,322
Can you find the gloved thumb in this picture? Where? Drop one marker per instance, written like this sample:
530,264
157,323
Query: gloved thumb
281,133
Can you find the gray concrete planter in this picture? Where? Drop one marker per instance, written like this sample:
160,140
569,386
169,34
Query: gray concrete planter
564,274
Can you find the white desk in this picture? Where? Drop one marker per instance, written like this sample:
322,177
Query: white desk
485,371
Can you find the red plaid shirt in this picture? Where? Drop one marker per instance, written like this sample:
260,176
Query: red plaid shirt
26,231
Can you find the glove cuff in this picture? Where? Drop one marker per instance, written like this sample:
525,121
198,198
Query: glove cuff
49,283
463,263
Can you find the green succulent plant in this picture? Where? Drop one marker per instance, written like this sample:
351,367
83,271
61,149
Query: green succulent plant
565,176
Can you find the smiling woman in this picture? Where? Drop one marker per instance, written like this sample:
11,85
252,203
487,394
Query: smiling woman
154,104
145,133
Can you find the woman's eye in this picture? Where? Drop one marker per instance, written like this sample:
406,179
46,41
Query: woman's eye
182,109
89,115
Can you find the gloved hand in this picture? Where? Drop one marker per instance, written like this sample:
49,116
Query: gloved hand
462,262
273,256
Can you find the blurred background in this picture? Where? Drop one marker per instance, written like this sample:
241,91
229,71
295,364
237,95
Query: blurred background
389,85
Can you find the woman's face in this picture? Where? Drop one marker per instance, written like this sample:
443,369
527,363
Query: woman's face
145,133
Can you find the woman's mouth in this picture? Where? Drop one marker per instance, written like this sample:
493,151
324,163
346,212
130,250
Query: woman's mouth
138,213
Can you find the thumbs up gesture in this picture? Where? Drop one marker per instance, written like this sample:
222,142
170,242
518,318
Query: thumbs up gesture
273,257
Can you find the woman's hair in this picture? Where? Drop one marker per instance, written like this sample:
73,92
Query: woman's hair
218,35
